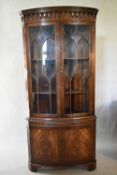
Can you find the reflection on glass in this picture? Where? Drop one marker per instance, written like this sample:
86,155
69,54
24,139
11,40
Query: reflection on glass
83,49
44,57
42,51
76,68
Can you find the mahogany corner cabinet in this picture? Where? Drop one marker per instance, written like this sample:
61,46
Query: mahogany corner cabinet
59,49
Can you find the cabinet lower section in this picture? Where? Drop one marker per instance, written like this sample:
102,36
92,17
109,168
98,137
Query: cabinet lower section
61,142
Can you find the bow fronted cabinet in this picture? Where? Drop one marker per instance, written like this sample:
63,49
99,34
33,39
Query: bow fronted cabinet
59,49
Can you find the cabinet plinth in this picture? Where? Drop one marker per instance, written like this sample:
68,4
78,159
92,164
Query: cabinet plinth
59,49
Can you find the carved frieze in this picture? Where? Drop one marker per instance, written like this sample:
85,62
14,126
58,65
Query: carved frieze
58,13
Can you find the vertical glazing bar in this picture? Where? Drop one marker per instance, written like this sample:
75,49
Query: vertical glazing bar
70,96
86,107
37,96
58,57
50,97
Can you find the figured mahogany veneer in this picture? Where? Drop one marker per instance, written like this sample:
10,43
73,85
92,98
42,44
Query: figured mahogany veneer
59,49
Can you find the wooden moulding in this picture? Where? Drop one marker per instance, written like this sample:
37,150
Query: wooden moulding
58,13
61,122
36,167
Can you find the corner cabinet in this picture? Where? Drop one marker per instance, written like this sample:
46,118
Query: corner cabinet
59,49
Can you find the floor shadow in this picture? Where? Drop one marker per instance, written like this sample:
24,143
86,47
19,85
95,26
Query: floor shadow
110,153
107,130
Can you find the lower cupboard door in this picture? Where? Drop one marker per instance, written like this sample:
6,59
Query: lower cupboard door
77,145
44,146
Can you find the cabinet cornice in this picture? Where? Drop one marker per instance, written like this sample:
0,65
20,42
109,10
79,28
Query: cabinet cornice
60,12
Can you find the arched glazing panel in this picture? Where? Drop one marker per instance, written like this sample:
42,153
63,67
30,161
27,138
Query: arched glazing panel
82,49
70,48
42,42
48,49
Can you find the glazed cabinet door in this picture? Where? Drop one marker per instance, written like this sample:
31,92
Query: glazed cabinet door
61,69
42,69
77,64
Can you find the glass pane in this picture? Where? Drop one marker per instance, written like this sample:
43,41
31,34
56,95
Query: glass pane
76,68
43,69
70,48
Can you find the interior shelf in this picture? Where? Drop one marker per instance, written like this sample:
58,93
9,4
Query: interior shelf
44,93
85,59
75,92
42,59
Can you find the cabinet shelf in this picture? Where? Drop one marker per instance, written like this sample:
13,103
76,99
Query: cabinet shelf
44,93
75,92
53,92
84,59
42,59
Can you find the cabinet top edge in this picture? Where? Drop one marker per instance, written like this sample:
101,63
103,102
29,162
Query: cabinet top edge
59,8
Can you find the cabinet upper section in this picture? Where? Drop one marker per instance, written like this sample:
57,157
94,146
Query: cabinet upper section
60,13
59,45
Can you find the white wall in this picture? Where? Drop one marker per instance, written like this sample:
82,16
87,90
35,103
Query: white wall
13,101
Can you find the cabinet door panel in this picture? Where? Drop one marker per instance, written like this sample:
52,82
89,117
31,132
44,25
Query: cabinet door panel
44,146
70,146
78,145
86,144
